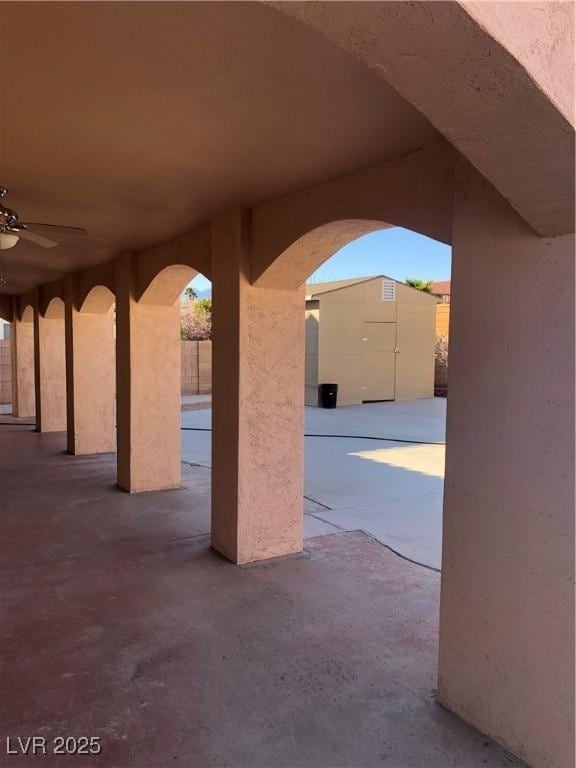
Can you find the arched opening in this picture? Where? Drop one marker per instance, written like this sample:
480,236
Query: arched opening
167,285
376,461
91,371
196,333
22,364
150,367
17,396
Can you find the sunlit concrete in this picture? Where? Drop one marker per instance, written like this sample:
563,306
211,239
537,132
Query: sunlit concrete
149,641
393,491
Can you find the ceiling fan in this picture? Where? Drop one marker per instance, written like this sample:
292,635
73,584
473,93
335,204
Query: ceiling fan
12,229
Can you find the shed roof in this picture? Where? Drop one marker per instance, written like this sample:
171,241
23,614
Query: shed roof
314,290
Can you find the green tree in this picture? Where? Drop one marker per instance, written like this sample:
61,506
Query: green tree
204,305
190,293
420,285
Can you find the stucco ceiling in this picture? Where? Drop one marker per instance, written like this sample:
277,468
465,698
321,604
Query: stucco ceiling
137,121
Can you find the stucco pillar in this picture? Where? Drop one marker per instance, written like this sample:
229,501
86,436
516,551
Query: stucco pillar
90,379
258,405
22,352
50,368
148,387
507,608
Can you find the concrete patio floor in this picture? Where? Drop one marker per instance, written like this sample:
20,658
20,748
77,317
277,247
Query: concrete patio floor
119,622
390,490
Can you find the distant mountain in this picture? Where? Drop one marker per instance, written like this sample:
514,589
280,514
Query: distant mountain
205,294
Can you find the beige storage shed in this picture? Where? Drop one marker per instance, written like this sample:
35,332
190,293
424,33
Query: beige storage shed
373,336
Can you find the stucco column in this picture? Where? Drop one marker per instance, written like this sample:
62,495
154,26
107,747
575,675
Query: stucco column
90,379
22,351
50,368
148,387
258,405
507,607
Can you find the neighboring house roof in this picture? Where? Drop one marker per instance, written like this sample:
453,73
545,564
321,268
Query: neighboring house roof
314,290
441,287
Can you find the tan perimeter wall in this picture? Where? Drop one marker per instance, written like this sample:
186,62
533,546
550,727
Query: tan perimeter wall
5,372
442,319
196,367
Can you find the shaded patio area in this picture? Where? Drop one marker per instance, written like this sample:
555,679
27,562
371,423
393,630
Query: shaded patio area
121,623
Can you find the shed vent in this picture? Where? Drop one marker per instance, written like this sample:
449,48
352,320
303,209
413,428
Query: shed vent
388,290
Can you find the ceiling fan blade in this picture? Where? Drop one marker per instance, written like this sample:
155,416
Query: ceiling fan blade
36,239
56,229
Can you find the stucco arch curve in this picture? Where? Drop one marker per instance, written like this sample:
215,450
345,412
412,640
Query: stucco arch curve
54,309
27,314
295,265
166,285
293,236
99,299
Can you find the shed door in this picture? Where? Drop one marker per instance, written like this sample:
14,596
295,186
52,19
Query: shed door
415,359
378,361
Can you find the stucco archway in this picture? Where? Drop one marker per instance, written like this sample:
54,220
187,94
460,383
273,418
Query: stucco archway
27,314
54,309
167,285
99,299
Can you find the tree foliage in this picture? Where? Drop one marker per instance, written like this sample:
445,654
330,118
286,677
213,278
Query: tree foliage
190,293
197,325
204,305
420,285
441,351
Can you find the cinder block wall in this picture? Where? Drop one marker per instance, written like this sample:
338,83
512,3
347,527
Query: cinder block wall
196,367
442,319
5,372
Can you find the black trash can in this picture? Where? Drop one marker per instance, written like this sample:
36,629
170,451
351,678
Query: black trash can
327,395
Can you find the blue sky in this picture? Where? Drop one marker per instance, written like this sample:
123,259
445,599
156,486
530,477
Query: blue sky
396,252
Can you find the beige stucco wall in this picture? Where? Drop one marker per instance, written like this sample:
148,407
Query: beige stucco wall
90,381
507,607
148,391
50,368
345,329
258,406
312,327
